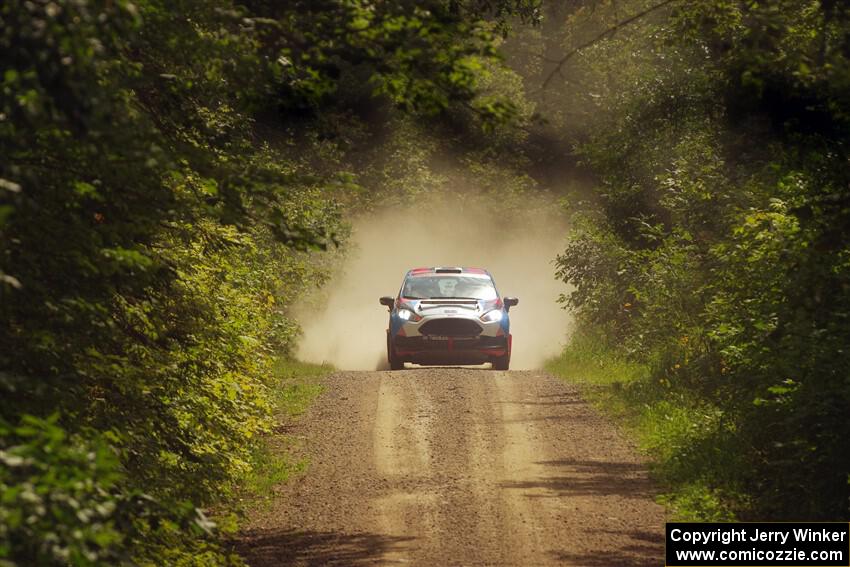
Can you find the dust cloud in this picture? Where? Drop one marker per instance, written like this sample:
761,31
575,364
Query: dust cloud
346,327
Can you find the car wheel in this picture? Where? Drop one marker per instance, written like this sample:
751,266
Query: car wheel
395,362
501,362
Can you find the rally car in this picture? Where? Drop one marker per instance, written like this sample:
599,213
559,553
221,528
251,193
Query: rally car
447,315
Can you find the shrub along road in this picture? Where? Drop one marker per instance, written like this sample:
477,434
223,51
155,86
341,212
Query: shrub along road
457,466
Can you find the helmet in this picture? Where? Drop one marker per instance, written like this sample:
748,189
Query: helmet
447,286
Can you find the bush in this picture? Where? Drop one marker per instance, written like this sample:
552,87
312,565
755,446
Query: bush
57,496
718,253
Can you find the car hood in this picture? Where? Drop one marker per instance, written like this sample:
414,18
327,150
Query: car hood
451,307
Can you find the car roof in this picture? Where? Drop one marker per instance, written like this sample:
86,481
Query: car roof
439,270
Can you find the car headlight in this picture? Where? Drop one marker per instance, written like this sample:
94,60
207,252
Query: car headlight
493,316
408,315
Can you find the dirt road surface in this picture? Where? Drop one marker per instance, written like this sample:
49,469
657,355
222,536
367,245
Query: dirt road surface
457,466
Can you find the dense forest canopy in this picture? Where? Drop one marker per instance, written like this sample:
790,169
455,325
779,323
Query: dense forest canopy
716,247
170,172
167,170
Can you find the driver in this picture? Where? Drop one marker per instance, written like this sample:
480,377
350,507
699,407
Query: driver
447,286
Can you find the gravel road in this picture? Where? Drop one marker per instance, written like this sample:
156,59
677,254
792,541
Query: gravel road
457,466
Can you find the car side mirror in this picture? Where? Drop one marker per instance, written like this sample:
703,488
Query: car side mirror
388,301
511,302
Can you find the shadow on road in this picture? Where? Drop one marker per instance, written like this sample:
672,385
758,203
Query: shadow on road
559,402
267,548
601,478
643,549
634,558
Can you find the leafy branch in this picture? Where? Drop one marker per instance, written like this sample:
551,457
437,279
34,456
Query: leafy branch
599,37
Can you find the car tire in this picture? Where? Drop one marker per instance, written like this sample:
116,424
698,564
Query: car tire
501,362
395,362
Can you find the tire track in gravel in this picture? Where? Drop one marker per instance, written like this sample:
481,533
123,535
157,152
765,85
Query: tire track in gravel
457,466
402,453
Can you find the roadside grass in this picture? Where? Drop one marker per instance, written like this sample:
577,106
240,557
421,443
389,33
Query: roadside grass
691,456
296,386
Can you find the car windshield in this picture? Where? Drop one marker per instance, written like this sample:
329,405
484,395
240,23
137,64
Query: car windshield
448,287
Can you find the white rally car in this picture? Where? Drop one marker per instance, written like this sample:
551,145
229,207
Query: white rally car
449,316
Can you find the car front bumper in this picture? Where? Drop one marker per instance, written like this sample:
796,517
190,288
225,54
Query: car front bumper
451,350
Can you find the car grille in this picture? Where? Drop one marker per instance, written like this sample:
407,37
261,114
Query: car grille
451,328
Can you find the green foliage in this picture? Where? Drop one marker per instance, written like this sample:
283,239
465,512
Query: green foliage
65,500
716,250
297,384
56,501
422,56
167,172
